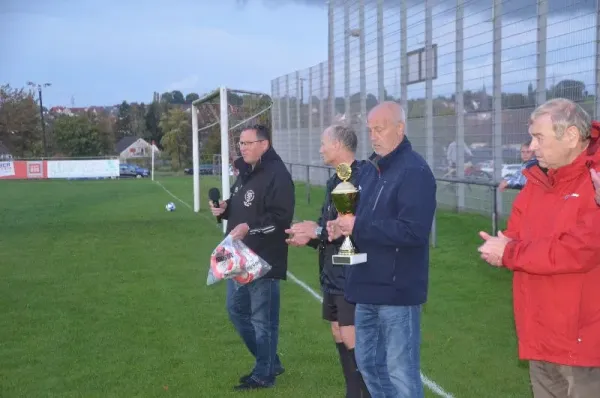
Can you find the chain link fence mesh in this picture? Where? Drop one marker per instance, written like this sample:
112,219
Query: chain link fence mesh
467,71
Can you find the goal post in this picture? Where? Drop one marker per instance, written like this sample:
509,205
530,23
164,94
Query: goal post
229,111
224,123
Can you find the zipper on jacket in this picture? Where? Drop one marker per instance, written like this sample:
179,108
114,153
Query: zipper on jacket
377,198
394,274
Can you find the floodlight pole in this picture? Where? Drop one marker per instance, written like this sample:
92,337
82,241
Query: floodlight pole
224,147
39,88
195,159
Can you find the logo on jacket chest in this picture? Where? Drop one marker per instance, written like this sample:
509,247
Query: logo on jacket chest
248,198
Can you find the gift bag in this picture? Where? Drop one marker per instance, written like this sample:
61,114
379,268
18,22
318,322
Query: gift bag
232,259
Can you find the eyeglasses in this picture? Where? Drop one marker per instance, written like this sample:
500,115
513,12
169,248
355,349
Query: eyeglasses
242,144
259,129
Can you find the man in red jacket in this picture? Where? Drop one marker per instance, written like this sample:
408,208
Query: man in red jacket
552,245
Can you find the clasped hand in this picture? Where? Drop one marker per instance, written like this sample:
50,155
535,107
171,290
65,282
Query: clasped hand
343,225
301,233
493,248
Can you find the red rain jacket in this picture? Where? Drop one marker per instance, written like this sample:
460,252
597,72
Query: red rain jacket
555,256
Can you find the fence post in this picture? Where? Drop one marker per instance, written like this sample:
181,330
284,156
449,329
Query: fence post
434,230
308,184
494,211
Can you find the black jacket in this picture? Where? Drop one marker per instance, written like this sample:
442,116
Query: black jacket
264,198
332,276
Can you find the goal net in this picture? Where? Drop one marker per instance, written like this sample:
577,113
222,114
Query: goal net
218,118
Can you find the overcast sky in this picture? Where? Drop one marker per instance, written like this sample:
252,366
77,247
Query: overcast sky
104,52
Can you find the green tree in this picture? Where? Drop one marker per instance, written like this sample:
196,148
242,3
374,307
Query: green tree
177,97
234,99
79,136
191,97
570,89
212,144
106,129
176,127
153,130
254,104
166,98
138,123
20,129
123,126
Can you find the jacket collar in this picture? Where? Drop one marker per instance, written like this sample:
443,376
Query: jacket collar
381,162
245,169
354,166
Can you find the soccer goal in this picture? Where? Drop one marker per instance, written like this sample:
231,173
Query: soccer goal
217,121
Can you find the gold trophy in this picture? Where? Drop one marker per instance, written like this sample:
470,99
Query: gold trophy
344,197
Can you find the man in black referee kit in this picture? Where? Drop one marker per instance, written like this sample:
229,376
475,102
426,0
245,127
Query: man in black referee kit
338,145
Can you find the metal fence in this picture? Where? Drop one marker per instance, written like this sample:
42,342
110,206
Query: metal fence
465,71
316,175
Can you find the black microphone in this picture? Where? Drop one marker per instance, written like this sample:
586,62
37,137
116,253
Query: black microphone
214,195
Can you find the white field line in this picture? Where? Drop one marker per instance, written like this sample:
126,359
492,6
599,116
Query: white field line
432,385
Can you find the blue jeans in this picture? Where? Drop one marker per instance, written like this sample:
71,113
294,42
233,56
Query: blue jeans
254,311
388,340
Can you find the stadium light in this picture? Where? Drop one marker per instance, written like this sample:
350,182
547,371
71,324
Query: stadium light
39,88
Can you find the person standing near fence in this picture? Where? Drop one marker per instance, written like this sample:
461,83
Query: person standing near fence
259,211
392,224
518,180
552,246
338,145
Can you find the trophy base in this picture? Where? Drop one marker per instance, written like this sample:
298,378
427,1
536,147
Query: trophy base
349,259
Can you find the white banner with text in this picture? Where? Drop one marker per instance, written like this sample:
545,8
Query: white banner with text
7,169
97,168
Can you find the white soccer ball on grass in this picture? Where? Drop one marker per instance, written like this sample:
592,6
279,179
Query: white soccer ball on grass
170,206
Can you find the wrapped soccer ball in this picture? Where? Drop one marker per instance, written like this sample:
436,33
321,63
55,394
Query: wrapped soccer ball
170,206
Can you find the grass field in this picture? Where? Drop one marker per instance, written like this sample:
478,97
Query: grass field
103,294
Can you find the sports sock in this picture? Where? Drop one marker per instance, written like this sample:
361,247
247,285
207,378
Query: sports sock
359,387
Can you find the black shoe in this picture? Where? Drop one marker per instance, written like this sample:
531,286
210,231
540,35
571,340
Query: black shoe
247,377
250,384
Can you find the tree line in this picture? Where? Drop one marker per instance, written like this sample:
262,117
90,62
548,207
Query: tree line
96,130
166,120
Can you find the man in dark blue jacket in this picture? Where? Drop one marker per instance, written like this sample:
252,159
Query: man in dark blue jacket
338,145
392,225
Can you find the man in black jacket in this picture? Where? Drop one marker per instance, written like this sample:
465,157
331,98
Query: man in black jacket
259,211
338,145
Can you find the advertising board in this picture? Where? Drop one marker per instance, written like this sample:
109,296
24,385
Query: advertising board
96,168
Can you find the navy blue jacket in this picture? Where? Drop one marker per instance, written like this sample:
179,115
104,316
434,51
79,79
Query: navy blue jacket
393,220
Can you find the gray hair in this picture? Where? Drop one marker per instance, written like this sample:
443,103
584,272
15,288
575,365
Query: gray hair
396,111
564,113
399,113
343,134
